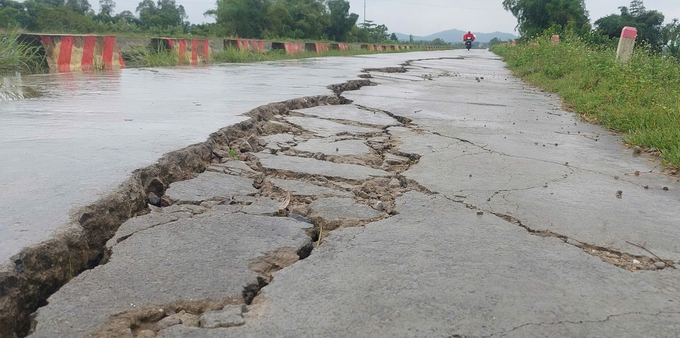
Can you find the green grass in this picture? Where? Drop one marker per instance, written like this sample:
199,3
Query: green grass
640,99
147,57
18,57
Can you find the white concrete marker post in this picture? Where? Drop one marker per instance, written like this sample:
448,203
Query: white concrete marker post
626,44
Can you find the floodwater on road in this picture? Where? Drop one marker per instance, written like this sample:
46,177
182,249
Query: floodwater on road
68,138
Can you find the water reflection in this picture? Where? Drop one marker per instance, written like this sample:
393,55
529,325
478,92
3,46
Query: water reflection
12,88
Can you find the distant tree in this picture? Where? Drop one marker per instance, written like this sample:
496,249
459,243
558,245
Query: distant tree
495,41
410,38
394,37
341,21
163,14
648,23
671,38
308,18
106,7
371,32
637,7
243,18
440,42
536,16
81,7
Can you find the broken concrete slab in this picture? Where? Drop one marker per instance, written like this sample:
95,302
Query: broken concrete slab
456,172
310,166
325,128
454,273
332,147
136,224
279,138
231,315
262,206
350,112
232,168
278,142
206,257
337,212
210,186
392,159
299,188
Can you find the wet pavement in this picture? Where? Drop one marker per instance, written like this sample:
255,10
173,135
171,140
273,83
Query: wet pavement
66,139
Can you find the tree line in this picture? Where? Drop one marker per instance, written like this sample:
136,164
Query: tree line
256,19
534,17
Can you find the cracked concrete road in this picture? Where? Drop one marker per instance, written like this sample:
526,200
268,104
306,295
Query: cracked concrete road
485,211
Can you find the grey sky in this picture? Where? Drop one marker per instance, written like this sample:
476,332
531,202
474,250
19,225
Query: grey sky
424,17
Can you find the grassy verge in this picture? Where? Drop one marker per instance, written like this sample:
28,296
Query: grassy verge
640,99
18,57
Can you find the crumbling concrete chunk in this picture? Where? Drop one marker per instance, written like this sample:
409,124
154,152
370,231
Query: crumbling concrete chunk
230,316
392,159
232,168
188,319
168,322
311,166
351,112
146,334
327,128
300,188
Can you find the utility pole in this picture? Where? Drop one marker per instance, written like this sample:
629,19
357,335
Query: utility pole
364,13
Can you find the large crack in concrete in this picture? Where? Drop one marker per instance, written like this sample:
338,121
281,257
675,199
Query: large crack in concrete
41,270
368,192
225,144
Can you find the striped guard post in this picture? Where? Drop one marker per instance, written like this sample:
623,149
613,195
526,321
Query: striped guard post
70,53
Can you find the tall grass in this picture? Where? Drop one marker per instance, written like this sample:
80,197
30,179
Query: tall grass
640,99
147,57
19,57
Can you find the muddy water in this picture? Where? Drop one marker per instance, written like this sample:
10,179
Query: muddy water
65,139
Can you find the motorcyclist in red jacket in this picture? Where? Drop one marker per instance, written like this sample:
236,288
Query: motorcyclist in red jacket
469,36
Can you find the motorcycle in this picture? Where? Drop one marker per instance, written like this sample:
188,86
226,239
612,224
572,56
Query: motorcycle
468,44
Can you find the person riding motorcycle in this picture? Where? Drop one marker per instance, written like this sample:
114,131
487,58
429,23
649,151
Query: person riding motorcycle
468,38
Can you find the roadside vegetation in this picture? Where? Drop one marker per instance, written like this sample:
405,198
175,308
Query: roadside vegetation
640,98
18,57
317,20
168,58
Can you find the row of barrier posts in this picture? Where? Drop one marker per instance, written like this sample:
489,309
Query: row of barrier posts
67,53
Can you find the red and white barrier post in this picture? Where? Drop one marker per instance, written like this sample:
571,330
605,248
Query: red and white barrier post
626,44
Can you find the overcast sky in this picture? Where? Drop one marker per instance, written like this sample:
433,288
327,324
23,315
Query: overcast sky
424,17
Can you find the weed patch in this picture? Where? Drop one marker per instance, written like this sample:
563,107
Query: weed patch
19,57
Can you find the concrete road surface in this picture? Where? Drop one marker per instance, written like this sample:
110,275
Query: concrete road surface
486,210
66,139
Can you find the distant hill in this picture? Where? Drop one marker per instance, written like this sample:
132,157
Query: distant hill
454,35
